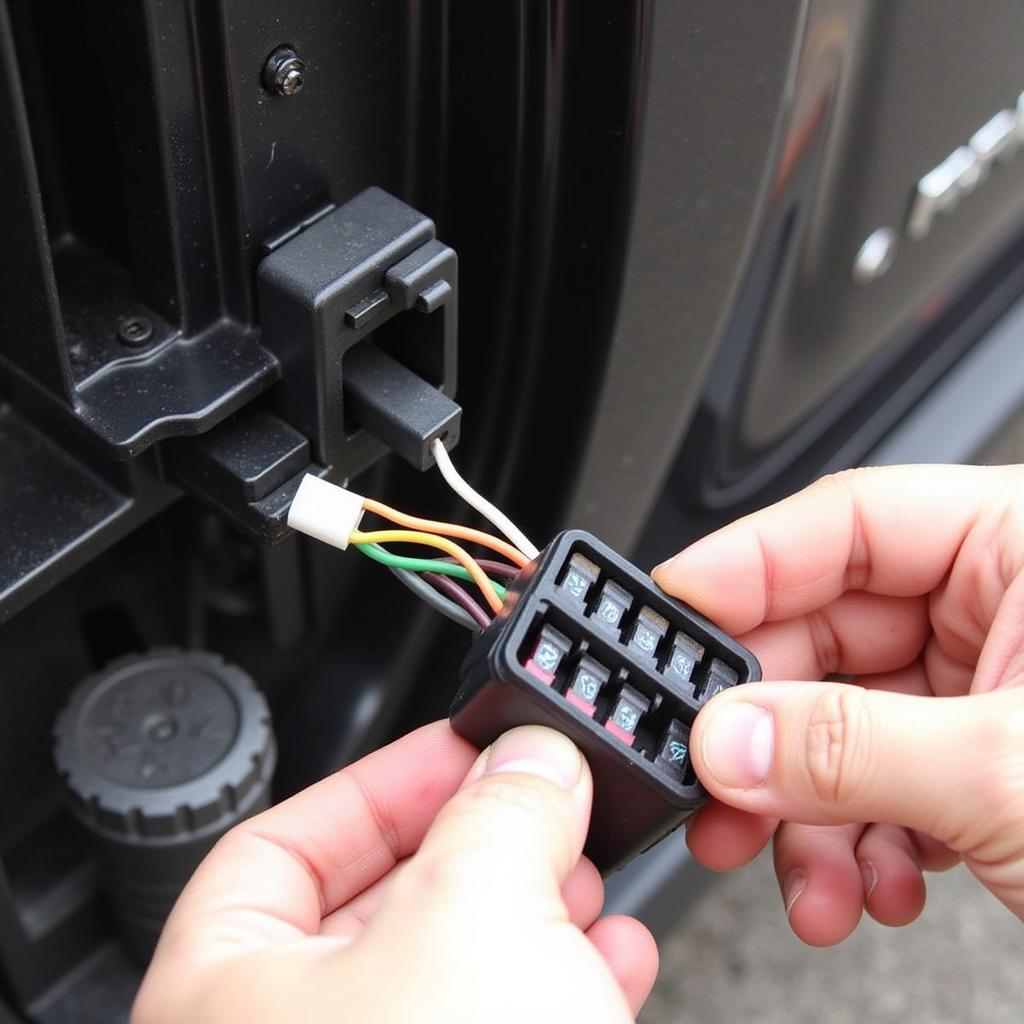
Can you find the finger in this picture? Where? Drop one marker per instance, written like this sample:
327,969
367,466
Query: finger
859,530
348,921
831,753
1001,663
582,893
631,953
275,876
856,633
975,612
948,676
822,889
911,680
943,678
933,855
724,839
504,845
894,890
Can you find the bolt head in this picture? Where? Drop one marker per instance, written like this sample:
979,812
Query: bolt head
284,73
135,330
291,82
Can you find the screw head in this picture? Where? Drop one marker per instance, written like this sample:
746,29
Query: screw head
284,73
135,330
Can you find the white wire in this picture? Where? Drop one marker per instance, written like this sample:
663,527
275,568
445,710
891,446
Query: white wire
489,511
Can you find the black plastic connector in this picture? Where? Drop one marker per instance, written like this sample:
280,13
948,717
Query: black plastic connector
367,275
397,406
247,469
589,645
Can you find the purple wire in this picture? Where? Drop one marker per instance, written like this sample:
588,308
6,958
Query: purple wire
451,589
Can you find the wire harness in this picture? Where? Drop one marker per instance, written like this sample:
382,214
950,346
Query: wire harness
333,514
487,509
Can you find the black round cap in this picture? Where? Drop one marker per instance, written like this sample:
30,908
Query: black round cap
165,745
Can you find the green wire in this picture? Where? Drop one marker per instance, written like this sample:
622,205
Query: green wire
385,557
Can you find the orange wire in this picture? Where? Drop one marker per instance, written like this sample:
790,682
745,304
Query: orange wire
444,544
513,554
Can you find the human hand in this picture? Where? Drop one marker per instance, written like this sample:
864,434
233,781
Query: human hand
404,889
909,579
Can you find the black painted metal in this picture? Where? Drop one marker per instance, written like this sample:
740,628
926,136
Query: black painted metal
857,136
706,132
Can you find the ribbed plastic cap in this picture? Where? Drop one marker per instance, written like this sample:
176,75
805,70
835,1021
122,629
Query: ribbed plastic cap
164,746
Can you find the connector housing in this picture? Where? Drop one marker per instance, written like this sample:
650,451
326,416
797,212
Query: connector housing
325,511
399,407
367,277
588,644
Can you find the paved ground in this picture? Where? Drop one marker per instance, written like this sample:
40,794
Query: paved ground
734,960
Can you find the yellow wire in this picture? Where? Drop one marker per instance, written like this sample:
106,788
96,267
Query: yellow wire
431,541
514,555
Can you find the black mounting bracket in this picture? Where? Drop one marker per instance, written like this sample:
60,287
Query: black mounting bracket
369,274
358,304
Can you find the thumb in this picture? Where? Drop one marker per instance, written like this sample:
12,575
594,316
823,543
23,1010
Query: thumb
510,837
823,753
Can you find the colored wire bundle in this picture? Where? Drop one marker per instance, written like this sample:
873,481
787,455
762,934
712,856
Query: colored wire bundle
435,565
514,555
433,541
450,589
439,581
421,586
474,499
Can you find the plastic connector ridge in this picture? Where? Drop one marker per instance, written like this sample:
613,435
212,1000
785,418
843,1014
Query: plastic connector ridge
325,511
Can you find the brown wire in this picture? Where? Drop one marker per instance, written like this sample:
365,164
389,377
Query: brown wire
447,586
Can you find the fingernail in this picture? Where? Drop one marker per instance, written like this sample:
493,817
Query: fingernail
793,888
869,873
738,743
534,750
